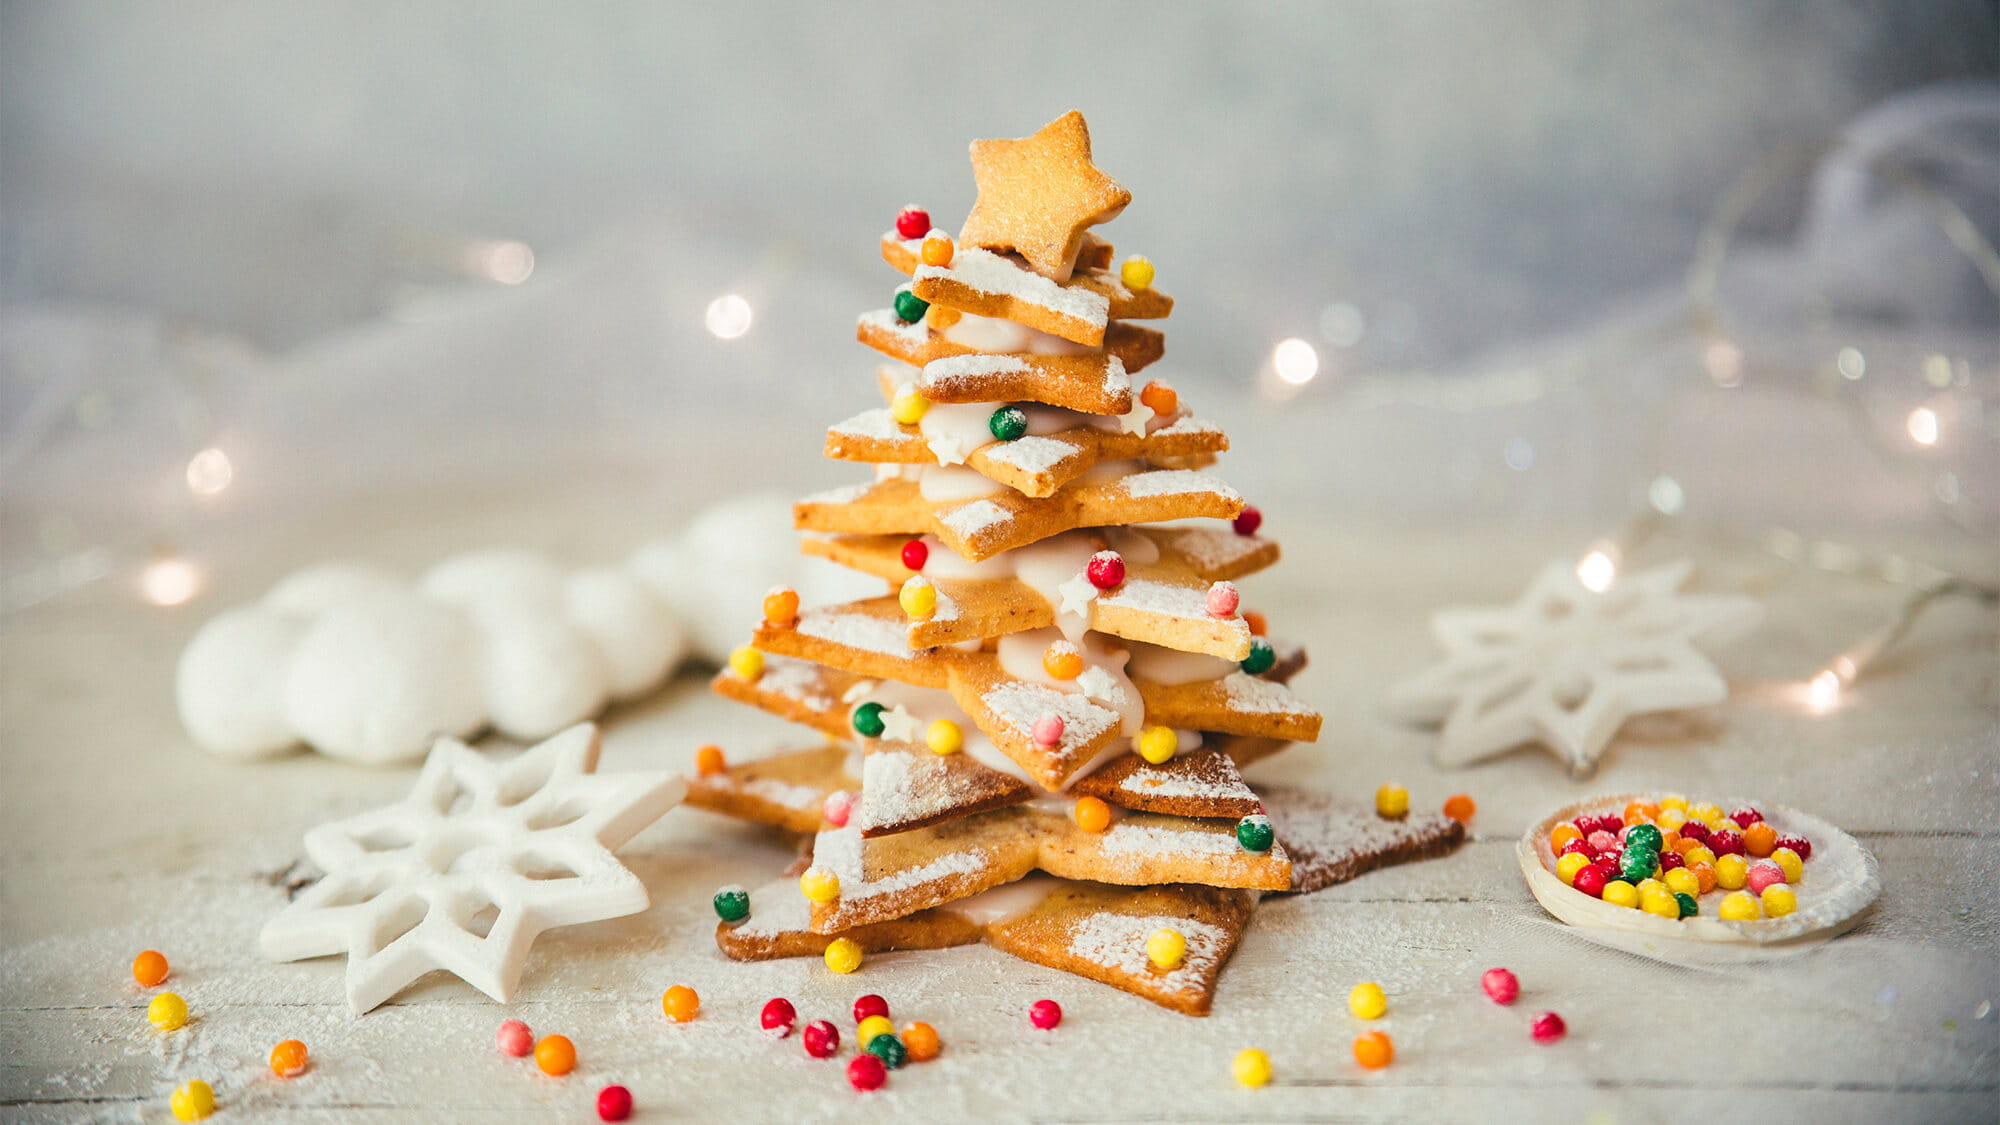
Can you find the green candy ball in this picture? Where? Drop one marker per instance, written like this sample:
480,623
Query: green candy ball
1643,836
868,720
890,1050
732,904
1008,423
1262,657
910,307
1254,833
1689,907
1637,864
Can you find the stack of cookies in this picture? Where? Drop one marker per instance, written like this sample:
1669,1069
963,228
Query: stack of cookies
1036,730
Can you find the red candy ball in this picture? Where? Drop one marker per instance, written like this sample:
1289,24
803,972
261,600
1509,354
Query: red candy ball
913,222
1045,1014
1590,880
870,1005
1798,844
1725,842
1247,521
1576,847
1599,839
1695,830
1745,816
1548,1027
916,554
866,1072
1671,859
614,1103
778,1017
1502,986
822,1039
1106,570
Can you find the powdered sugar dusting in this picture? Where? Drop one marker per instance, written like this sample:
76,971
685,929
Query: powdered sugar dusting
1211,550
1126,838
1177,482
1031,454
968,520
991,273
795,679
875,425
778,908
846,494
1265,697
783,793
914,333
839,850
858,631
1118,942
970,366
1020,704
1161,599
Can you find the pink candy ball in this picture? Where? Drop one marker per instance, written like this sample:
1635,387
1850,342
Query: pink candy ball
514,1039
836,808
1600,840
1045,1014
1223,599
1762,874
1548,1027
1500,985
1048,730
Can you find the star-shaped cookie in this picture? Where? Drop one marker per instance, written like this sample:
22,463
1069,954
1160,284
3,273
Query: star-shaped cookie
1038,194
466,871
1567,665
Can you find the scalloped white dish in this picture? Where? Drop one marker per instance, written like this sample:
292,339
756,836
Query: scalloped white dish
1841,881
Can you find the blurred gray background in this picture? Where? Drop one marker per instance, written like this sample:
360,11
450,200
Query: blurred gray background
300,232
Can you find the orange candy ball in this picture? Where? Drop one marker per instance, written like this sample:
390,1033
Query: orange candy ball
1256,622
1562,834
708,760
921,1041
555,1054
781,606
1704,876
1760,839
149,968
288,1059
1374,1050
680,1003
937,250
1160,397
1641,811
1062,661
1092,815
1460,807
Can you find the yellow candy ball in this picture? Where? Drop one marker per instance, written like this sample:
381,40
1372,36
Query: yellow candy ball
192,1101
1789,862
1778,900
1652,887
1660,902
1698,854
1392,801
941,318
1738,906
1670,820
1681,881
918,597
909,406
168,1012
1706,813
1137,273
819,885
843,955
1166,949
746,662
1724,824
1618,892
1251,1067
866,1031
1568,866
1731,871
1676,802
1367,1000
1158,744
944,737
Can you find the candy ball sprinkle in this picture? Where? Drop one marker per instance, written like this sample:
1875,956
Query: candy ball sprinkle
1251,1067
732,903
514,1038
866,1031
680,1003
912,222
1105,570
1254,833
778,1017
556,1055
1460,807
1502,987
837,807
843,955
1374,1050
168,1012
1263,657
1392,802
921,1040
192,1100
1547,1028
149,968
1045,1014
869,1004
288,1059
1166,949
889,1049
614,1103
821,1039
866,1072
1367,1000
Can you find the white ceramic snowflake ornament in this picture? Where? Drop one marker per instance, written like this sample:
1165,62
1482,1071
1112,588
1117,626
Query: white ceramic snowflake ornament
525,843
1567,665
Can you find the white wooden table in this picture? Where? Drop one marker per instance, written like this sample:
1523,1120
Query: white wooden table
117,835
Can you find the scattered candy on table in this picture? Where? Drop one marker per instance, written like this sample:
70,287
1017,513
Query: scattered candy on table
149,968
921,1040
866,1072
1367,1000
871,1026
1166,949
1502,987
1392,801
614,1103
1460,807
821,1039
778,1017
168,1012
288,1059
1374,1050
514,1038
556,1055
1251,1067
889,1049
843,955
1045,1014
732,903
869,1004
1548,1027
680,1003
192,1100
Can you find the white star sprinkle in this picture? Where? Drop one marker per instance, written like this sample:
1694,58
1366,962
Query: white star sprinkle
464,873
949,449
898,725
1077,594
1566,666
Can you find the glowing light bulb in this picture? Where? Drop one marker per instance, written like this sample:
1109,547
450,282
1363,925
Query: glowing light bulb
728,316
1295,361
1724,361
209,472
507,262
1851,363
169,581
1923,425
1823,692
1666,495
1519,453
1596,572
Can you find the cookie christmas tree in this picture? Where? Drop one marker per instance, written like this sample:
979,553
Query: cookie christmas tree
1059,676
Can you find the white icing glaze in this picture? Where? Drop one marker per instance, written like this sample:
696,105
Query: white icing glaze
991,334
954,430
1169,667
1003,902
949,483
1103,680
